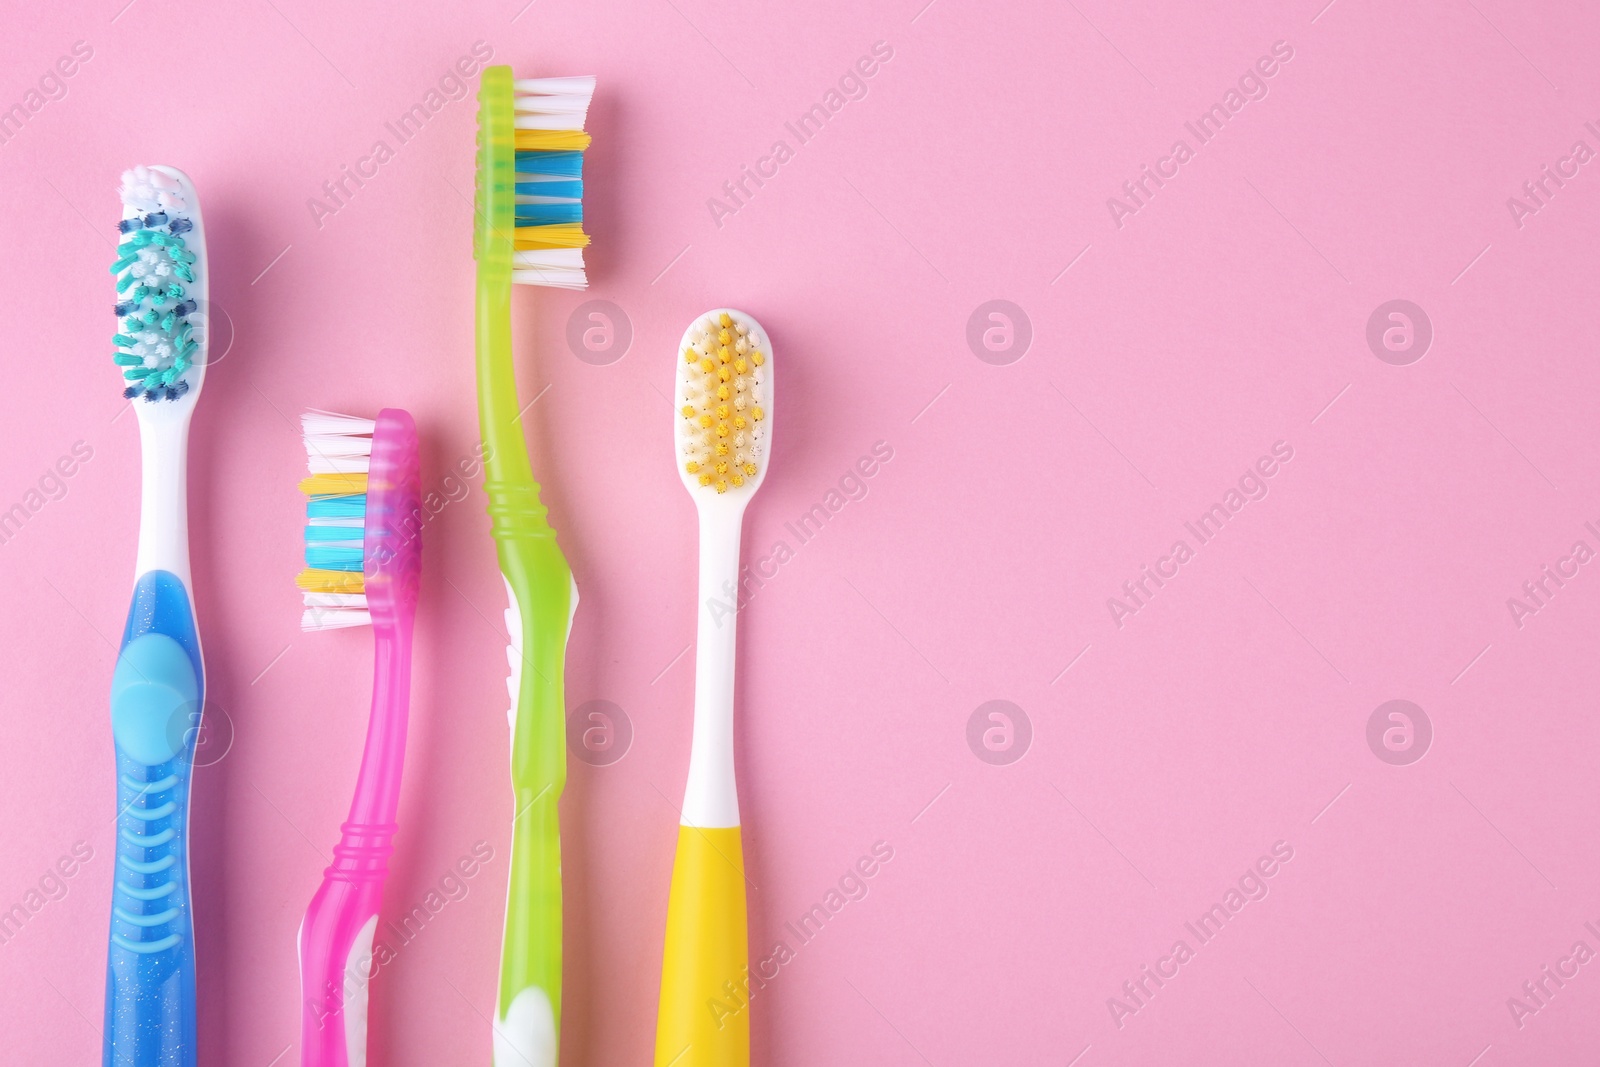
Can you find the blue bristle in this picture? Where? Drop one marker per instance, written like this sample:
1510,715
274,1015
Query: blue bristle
548,214
129,225
130,392
180,226
127,307
154,219
185,308
333,559
555,164
353,506
573,189
333,533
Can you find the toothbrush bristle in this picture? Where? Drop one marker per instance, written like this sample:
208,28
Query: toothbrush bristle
156,343
548,239
723,384
338,453
363,519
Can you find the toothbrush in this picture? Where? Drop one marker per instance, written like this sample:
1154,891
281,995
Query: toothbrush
529,216
158,686
363,563
722,438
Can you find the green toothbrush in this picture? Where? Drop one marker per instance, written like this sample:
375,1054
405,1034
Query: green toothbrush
528,229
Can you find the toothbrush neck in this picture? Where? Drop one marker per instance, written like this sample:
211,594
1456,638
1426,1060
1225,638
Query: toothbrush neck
163,497
711,798
377,796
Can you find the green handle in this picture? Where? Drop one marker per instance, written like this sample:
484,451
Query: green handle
529,1008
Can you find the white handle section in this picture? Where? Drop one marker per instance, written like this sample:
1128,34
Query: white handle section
712,799
164,495
357,973
526,1037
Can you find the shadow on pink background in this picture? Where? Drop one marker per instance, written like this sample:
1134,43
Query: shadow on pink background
1177,739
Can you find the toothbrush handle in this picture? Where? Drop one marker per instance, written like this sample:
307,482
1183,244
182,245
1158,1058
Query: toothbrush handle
157,693
528,1022
704,1017
336,959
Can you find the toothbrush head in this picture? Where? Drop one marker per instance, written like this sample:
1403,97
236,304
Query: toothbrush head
161,287
724,399
363,519
529,204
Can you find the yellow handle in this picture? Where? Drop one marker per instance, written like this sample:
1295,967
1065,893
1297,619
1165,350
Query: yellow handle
705,986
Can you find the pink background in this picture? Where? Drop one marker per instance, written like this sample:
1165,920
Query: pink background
1230,713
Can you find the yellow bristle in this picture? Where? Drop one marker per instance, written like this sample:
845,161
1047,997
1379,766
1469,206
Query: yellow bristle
723,392
725,354
688,411
691,466
722,487
558,235
333,484
707,366
757,358
722,448
724,320
551,140
757,414
724,373
740,366
705,421
312,580
750,469
688,355
722,411
705,479
737,479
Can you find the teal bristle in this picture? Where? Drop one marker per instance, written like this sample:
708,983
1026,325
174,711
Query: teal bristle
154,267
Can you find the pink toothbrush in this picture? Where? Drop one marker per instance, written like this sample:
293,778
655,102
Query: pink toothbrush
363,562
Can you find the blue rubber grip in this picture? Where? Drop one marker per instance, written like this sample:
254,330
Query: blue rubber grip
157,694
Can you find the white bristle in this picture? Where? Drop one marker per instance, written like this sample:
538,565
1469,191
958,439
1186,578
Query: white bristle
549,258
558,267
327,422
333,618
552,103
556,279
336,600
576,85
337,444
146,189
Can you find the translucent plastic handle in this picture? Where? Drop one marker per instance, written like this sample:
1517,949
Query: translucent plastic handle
336,962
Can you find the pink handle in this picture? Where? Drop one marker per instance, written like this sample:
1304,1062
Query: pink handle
336,961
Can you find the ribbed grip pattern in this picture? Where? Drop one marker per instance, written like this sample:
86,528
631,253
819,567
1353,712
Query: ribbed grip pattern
157,695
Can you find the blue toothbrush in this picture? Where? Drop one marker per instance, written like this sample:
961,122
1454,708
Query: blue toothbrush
158,688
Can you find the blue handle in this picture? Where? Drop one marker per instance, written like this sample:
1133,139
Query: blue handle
157,694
